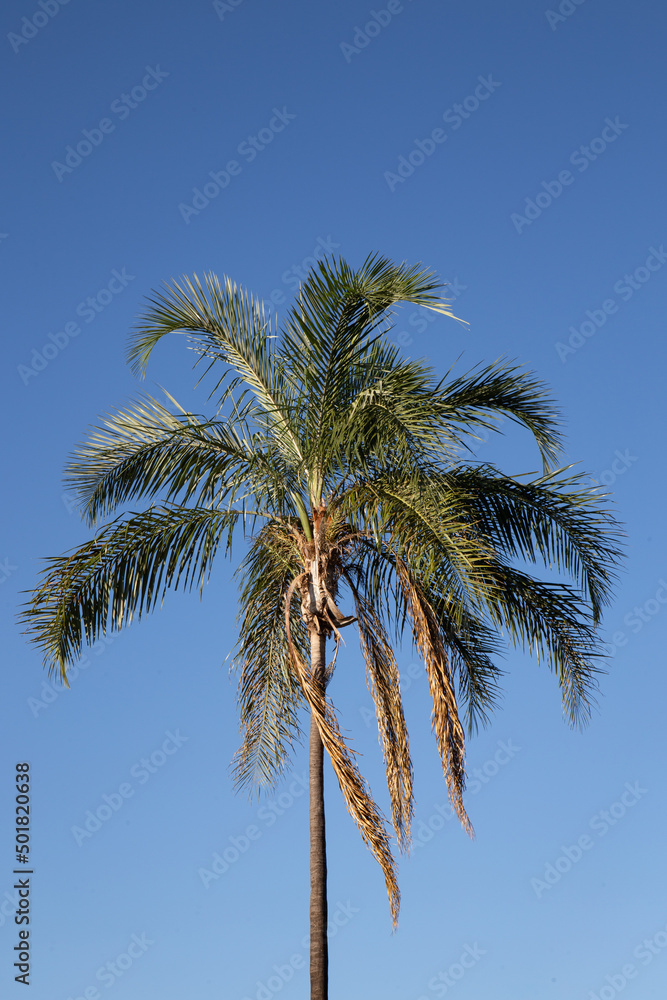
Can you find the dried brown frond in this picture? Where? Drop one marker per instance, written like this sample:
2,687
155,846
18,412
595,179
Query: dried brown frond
360,804
446,723
384,684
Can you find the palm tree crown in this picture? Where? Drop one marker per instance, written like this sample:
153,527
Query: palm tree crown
345,465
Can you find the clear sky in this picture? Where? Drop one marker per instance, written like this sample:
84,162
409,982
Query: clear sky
518,150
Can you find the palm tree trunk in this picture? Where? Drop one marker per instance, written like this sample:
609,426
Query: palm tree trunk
319,956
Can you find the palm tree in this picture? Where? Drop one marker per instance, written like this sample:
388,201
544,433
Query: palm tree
345,466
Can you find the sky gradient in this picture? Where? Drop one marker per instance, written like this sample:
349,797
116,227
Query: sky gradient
516,149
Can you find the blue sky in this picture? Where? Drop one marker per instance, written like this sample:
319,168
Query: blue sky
518,150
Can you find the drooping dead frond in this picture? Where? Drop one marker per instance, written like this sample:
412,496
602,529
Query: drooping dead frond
384,684
360,804
446,723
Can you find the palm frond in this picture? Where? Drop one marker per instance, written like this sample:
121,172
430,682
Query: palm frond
469,641
146,449
269,695
123,572
358,799
555,519
389,418
384,685
224,324
332,326
448,729
550,621
470,645
480,397
404,513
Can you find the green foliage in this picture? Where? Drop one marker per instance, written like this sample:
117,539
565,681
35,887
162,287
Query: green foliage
347,467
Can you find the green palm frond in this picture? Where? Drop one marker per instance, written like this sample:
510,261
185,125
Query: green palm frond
224,324
554,519
337,309
404,512
389,400
389,418
550,621
333,326
146,449
480,397
122,573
